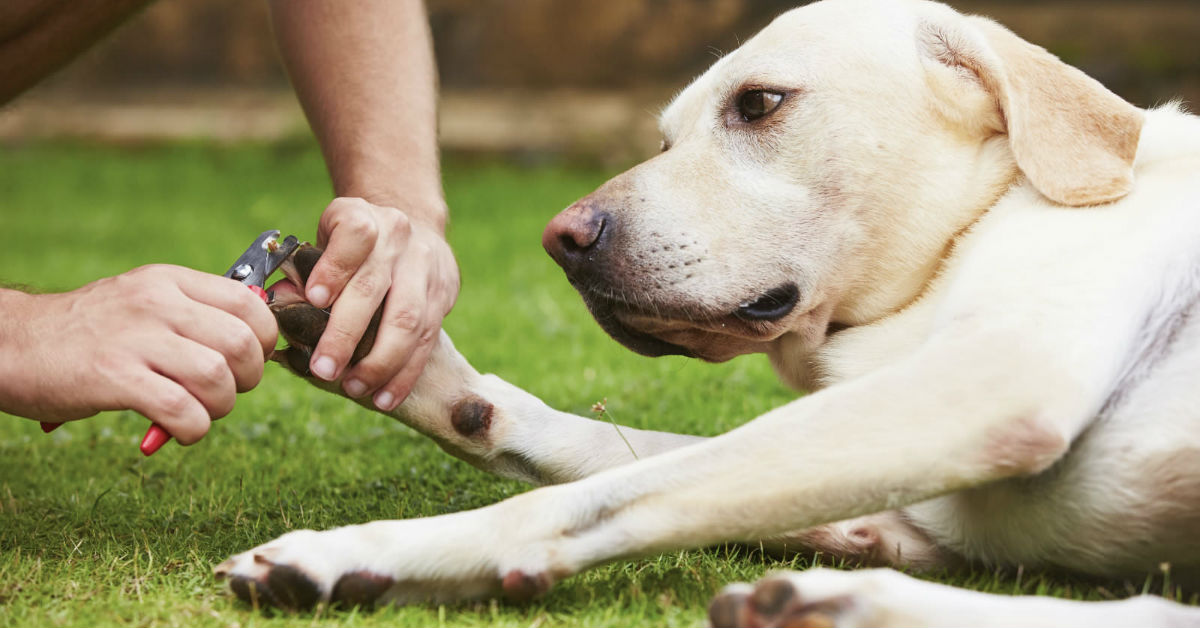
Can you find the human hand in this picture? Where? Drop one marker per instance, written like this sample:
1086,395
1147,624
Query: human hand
171,343
373,252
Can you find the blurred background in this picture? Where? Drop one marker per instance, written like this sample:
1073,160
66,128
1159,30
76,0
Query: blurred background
528,78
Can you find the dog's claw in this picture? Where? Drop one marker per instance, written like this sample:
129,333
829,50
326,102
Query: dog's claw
221,571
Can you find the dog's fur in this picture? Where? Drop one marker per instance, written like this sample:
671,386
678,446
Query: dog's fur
988,265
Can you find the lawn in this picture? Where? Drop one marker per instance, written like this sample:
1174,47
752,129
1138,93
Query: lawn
92,533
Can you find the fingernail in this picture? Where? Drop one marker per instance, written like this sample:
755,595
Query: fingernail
324,367
384,400
318,296
354,387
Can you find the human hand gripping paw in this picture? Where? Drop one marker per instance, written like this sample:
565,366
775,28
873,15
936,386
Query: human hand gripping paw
381,270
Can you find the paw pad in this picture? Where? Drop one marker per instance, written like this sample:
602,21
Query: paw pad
283,587
360,588
773,602
288,588
522,587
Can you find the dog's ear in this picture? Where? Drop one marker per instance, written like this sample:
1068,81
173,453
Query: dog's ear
1073,139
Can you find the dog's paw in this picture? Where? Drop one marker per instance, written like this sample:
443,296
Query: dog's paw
300,570
817,598
302,324
449,558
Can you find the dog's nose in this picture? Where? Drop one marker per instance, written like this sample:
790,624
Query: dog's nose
575,234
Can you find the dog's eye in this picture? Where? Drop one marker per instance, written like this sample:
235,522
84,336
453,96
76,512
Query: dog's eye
756,103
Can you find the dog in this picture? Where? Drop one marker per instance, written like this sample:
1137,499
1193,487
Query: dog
984,264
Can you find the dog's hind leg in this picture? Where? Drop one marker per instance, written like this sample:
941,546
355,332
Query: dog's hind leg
883,598
885,539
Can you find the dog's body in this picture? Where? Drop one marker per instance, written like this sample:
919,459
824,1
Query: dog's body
1116,490
988,265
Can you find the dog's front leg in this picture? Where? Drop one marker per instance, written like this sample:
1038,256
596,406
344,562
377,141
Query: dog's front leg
503,429
906,433
491,423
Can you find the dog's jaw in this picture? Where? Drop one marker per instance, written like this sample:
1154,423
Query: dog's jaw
712,336
605,311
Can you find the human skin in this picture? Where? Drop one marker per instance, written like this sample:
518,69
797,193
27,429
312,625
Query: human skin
366,81
172,343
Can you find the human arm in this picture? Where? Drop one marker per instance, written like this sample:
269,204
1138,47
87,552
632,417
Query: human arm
171,343
367,82
37,37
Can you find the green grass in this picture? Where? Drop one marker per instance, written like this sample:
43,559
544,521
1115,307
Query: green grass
93,534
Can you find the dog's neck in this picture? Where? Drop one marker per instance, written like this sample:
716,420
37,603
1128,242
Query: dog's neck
909,249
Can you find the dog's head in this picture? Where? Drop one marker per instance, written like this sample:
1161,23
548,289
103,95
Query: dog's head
818,174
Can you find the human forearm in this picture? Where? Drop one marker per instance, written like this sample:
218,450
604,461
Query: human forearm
364,73
38,37
366,80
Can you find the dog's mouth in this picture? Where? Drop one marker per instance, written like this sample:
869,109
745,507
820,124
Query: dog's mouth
712,333
612,316
771,306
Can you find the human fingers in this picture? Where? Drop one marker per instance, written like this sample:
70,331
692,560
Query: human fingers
200,370
228,296
406,321
168,404
440,295
425,286
228,335
397,389
349,233
348,321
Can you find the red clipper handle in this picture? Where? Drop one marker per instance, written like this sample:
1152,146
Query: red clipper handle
156,436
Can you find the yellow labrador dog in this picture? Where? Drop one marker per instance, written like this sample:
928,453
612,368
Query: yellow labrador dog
985,264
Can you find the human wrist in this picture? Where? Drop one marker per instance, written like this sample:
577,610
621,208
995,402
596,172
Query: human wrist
15,307
407,178
430,213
